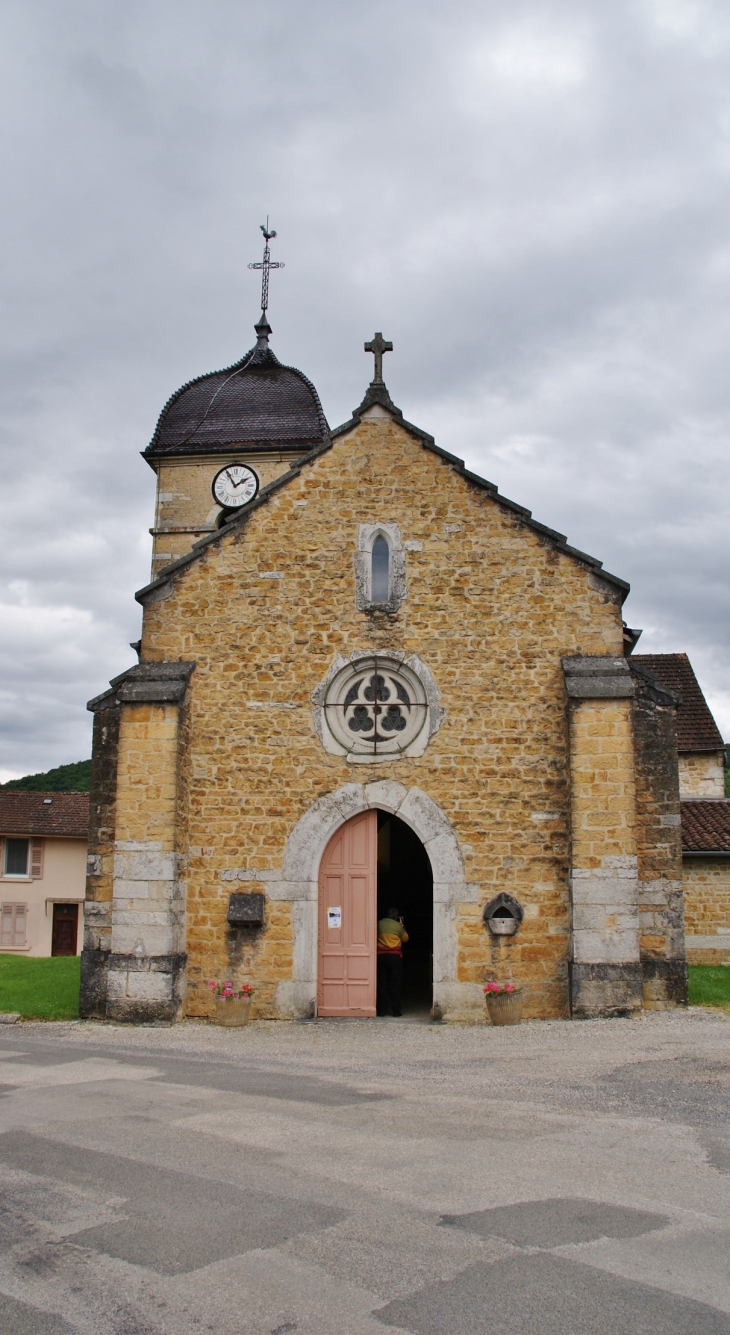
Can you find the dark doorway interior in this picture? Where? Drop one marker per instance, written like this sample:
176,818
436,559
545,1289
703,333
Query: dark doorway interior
65,929
405,881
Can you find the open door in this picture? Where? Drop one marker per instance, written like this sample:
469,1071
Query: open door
347,919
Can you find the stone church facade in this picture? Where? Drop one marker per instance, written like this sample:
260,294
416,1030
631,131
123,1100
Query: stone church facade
376,635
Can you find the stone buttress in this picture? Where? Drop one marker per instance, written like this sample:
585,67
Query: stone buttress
133,962
659,843
626,875
605,974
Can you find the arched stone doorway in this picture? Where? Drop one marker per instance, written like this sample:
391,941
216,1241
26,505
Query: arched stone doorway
374,867
298,883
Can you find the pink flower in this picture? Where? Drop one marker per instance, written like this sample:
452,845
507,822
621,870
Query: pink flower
508,987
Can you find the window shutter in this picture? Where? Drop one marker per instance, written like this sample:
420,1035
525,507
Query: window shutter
21,913
7,923
36,860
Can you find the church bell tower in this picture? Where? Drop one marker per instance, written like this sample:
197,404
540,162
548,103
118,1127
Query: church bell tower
223,436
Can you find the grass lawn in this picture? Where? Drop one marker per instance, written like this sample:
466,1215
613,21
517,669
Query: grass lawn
41,989
709,985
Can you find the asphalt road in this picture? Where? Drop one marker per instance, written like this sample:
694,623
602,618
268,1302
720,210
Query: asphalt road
355,1178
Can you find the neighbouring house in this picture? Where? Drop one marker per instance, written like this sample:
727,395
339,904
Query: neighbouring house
705,812
43,841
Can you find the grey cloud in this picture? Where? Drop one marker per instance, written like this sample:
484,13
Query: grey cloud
529,198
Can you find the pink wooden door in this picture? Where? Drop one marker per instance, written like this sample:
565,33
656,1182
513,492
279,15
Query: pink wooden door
347,919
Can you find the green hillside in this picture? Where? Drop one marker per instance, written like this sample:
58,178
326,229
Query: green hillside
74,778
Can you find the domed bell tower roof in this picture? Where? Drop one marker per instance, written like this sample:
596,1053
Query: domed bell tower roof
256,404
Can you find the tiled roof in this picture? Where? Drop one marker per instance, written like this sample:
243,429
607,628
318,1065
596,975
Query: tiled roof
705,827
257,403
23,813
696,728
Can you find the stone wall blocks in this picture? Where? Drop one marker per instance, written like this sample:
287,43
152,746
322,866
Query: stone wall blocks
445,942
148,986
461,1002
296,1000
305,928
604,891
249,874
290,891
134,846
605,947
446,892
621,864
659,891
116,985
124,918
130,890
97,909
97,938
155,940
145,866
589,917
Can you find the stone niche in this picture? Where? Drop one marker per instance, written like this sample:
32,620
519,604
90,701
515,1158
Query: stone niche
503,915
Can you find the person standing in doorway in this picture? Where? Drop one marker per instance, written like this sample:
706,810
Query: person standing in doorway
392,936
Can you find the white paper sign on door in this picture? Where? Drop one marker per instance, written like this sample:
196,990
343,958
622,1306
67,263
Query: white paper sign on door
334,918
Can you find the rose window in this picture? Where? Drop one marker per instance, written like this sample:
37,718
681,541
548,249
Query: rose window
375,707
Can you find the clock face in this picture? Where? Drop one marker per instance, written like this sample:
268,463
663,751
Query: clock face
235,485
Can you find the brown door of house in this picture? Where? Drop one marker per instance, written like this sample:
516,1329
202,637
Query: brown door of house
348,919
65,929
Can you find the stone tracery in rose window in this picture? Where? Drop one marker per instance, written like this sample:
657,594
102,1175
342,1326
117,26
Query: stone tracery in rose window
374,705
376,708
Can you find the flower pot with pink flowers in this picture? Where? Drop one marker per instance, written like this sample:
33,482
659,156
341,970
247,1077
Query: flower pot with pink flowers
232,1003
504,1002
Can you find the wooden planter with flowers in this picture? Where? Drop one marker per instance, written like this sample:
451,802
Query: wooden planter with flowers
232,1004
504,1002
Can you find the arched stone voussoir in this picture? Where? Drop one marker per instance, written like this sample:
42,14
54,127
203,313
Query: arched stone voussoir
300,873
310,835
313,831
385,794
427,819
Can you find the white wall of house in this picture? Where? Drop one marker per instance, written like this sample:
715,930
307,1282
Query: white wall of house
62,880
701,774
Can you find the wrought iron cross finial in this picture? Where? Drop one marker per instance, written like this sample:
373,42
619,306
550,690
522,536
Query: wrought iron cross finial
378,345
266,265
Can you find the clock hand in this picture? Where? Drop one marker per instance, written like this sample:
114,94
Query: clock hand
232,479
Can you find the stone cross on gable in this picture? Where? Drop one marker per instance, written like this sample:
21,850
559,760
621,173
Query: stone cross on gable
378,345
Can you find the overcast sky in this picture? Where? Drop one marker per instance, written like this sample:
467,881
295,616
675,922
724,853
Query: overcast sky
530,199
